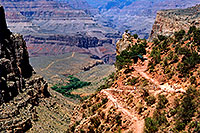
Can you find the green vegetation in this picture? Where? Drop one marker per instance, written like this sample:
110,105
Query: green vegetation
135,36
74,83
162,100
131,54
179,35
150,100
185,113
185,54
150,125
96,121
187,108
162,38
118,119
133,81
108,82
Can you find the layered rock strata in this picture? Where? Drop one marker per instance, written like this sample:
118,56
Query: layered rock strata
20,87
170,21
56,27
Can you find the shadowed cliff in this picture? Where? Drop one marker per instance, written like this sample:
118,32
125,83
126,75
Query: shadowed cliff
20,87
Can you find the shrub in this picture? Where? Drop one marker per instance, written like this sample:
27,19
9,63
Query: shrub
150,125
162,100
74,83
167,70
145,93
193,80
150,100
160,118
180,125
133,81
155,41
151,66
155,53
170,55
192,30
145,82
175,58
186,109
184,51
162,38
129,55
118,119
82,131
163,45
197,37
179,35
135,36
188,62
165,62
104,101
95,121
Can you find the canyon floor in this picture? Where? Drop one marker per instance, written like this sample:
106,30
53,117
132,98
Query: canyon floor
54,113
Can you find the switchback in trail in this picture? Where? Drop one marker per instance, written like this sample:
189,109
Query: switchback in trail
137,125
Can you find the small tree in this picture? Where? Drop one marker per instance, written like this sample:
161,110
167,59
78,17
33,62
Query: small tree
179,35
162,38
135,36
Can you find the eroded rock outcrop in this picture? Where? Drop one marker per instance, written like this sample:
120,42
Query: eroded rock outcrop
20,87
170,21
126,41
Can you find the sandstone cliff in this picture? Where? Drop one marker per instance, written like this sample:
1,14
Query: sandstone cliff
170,21
20,87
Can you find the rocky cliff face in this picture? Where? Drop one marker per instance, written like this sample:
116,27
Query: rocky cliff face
126,41
20,87
169,21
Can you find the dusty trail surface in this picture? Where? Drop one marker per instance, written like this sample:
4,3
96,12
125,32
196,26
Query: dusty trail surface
166,87
137,124
51,64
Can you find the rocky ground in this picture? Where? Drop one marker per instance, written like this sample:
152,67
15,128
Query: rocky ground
53,113
140,98
20,87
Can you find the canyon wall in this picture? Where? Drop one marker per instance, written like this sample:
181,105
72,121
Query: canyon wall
48,24
170,21
20,87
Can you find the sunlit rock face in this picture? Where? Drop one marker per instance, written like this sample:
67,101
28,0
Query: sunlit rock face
170,21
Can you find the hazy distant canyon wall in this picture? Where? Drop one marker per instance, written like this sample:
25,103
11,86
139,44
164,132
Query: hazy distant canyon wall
59,44
137,16
52,27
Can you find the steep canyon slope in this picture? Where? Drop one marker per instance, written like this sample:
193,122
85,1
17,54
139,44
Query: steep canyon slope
20,87
170,21
156,87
